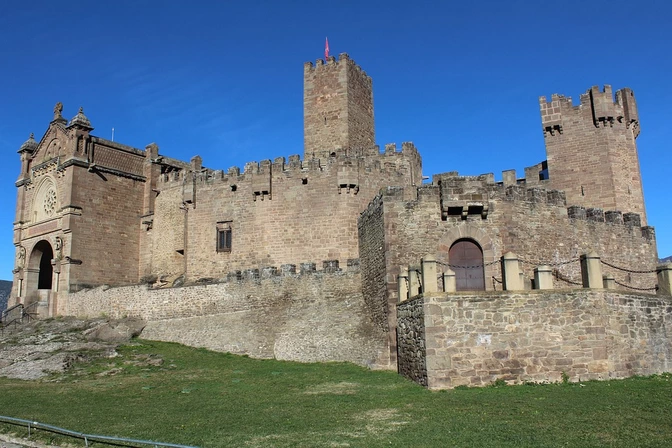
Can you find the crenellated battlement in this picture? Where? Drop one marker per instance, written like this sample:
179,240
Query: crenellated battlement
332,63
349,163
598,105
591,150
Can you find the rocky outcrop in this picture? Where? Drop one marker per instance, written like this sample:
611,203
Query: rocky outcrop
39,348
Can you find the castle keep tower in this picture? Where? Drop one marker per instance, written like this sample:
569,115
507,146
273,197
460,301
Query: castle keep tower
337,107
591,149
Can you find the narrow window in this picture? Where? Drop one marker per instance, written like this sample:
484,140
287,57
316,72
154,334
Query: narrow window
224,236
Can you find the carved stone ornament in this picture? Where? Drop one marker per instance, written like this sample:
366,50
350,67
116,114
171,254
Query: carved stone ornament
58,110
58,247
21,257
50,202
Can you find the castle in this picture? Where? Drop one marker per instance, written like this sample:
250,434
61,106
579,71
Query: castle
229,259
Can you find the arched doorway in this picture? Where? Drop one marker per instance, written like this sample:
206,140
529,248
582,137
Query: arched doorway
466,259
40,271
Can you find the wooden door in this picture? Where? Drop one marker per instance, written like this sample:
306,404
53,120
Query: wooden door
466,259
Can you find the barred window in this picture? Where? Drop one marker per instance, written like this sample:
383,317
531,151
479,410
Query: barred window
224,236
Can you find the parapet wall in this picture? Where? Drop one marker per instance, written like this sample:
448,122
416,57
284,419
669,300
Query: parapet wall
314,316
278,212
448,340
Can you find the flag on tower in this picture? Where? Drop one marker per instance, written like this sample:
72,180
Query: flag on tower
326,48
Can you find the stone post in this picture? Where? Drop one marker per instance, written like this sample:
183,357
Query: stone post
543,277
413,281
608,281
591,271
429,279
402,283
664,272
449,281
511,272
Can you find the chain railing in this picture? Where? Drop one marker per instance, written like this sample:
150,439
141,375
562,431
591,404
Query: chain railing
629,271
88,438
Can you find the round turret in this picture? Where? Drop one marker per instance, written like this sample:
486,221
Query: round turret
80,120
29,145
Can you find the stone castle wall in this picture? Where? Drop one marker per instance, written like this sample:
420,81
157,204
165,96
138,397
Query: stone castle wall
318,316
591,149
337,107
279,212
534,223
108,229
477,338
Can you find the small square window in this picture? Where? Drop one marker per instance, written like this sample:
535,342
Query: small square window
224,236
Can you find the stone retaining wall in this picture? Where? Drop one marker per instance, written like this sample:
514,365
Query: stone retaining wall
310,317
477,338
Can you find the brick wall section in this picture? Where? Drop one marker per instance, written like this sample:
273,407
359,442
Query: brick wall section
591,149
475,339
338,107
279,212
315,317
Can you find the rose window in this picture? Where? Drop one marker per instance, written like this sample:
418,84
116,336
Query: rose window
50,202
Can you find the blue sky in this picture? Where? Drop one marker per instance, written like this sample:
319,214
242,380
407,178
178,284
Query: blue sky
224,79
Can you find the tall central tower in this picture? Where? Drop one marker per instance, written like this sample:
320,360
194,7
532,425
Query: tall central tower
337,107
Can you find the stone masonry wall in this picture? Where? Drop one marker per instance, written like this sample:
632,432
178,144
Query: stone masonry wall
591,149
107,234
337,107
279,212
533,223
309,317
475,339
411,350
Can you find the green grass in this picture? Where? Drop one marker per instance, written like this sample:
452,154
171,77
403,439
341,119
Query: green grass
212,399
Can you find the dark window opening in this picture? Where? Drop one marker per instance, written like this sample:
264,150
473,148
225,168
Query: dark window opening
333,154
234,187
475,209
454,211
224,236
304,181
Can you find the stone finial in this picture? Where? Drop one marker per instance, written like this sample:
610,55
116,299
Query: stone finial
29,145
58,111
81,121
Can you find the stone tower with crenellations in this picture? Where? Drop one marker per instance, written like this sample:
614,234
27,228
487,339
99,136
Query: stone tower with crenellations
591,149
337,108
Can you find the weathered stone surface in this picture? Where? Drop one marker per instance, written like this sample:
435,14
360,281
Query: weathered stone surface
538,336
33,350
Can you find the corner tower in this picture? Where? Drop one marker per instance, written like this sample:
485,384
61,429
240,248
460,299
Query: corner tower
591,149
337,107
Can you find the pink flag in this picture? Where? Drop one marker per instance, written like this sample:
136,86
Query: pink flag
326,48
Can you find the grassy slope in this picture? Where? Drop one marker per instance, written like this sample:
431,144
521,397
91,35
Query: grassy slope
213,399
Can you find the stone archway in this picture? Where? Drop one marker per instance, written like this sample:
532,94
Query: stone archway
39,273
491,248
